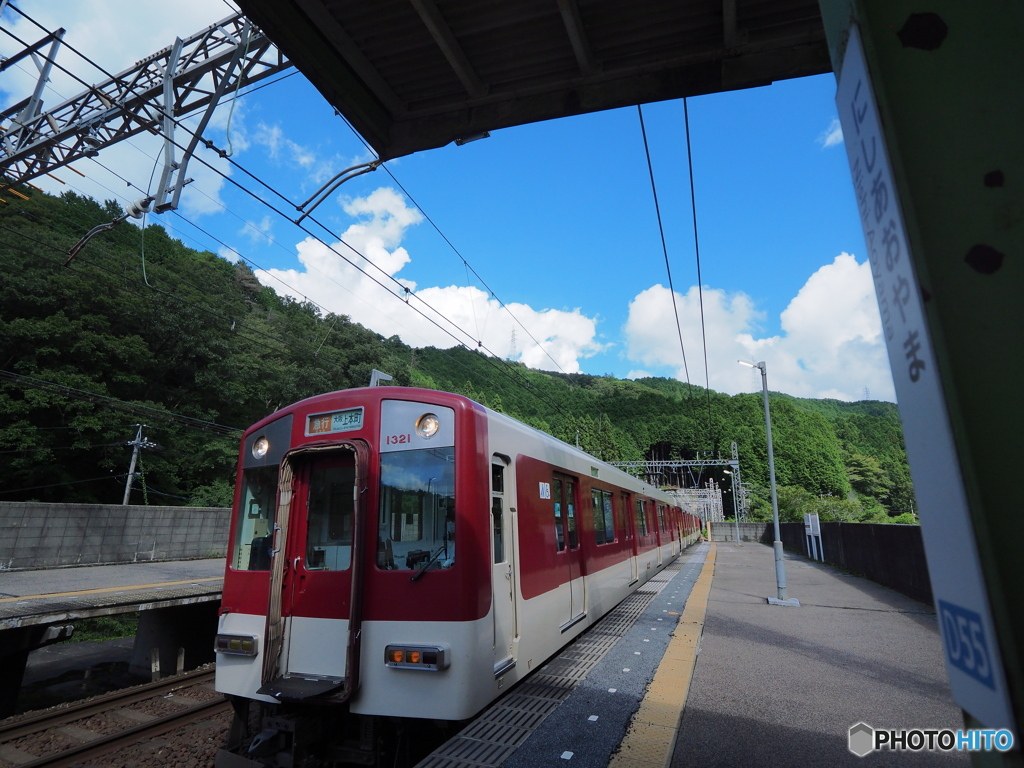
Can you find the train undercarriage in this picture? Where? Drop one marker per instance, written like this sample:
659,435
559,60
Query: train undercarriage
326,736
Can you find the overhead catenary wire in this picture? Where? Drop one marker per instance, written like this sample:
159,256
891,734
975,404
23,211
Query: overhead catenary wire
123,287
206,310
700,285
664,247
119,478
469,267
402,294
188,422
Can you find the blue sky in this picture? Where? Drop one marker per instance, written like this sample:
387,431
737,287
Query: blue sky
557,217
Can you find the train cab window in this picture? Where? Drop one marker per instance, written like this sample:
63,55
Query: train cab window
497,508
641,518
254,527
330,505
604,518
416,524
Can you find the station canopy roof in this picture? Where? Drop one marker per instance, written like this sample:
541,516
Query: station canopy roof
417,74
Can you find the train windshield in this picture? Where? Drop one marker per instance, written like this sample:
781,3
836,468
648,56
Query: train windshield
254,531
416,528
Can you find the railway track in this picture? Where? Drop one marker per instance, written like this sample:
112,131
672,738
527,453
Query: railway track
87,733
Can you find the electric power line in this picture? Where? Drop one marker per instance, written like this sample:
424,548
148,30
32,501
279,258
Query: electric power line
188,422
405,291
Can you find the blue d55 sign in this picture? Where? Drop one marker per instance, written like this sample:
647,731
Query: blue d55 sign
966,643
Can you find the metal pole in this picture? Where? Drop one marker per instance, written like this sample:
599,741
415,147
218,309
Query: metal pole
780,567
137,442
735,514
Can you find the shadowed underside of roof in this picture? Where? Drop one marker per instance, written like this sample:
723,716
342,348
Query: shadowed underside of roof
416,74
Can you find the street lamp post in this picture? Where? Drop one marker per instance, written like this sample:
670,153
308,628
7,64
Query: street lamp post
780,567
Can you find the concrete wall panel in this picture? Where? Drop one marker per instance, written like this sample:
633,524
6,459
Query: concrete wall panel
36,535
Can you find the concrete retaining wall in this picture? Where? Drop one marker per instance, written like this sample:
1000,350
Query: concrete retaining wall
36,535
892,555
726,531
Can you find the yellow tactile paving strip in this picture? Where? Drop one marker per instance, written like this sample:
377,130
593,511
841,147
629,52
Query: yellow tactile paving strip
651,737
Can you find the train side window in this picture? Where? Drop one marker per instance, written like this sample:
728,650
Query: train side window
641,518
661,517
570,506
497,509
556,497
604,517
254,532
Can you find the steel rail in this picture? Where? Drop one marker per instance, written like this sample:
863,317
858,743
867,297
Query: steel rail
106,744
53,718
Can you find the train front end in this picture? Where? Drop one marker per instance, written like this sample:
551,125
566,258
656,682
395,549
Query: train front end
358,574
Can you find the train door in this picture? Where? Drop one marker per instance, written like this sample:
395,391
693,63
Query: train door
662,532
312,584
630,533
567,541
503,572
640,528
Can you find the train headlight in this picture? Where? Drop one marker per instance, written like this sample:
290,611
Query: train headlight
429,657
260,447
236,645
427,426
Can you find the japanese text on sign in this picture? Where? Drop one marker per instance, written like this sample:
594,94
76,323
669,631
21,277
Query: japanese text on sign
883,228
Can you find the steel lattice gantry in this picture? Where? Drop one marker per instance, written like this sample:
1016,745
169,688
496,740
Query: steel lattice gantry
180,80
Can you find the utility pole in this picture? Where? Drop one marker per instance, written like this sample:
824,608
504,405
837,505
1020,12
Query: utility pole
137,444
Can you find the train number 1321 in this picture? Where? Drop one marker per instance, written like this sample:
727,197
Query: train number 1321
398,439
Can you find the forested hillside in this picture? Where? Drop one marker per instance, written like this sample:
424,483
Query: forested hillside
845,461
179,331
203,347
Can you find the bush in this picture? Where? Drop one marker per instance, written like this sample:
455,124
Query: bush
907,518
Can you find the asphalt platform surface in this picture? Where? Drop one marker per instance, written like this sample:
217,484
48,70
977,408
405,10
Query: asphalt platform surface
781,686
47,581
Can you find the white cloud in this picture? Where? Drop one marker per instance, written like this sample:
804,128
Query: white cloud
258,231
653,340
830,346
283,149
831,136
229,254
375,300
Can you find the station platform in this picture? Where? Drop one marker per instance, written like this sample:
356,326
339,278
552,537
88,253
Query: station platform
35,597
697,669
177,603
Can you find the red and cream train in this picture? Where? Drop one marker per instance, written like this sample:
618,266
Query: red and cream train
406,553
